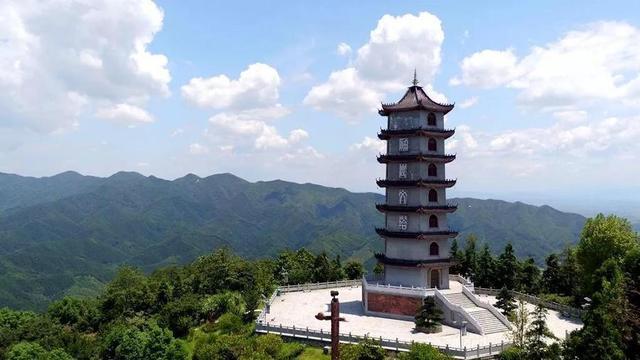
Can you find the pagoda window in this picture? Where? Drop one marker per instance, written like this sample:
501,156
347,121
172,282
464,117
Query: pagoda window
434,249
402,197
403,222
433,221
433,195
432,145
403,144
433,170
431,119
402,171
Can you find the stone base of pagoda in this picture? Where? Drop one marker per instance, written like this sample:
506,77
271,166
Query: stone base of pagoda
391,301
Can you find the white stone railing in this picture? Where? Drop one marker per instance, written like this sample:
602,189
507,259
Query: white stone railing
503,319
459,310
564,309
318,285
397,289
293,332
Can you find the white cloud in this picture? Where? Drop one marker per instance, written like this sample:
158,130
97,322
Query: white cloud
597,63
468,102
397,46
57,59
297,135
343,49
371,145
176,132
256,87
125,113
198,149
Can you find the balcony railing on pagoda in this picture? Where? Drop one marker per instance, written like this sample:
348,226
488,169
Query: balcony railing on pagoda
410,263
416,183
422,209
383,159
386,134
419,235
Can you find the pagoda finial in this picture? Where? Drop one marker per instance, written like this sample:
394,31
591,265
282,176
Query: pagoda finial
415,77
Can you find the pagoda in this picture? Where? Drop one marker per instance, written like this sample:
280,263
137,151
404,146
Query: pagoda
416,234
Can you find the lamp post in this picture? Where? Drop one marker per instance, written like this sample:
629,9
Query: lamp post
335,326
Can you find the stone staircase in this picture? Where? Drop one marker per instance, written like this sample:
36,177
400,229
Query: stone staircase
489,322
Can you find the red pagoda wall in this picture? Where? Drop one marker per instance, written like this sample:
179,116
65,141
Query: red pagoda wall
393,304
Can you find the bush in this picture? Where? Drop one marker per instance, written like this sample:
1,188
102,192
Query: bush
269,344
512,353
366,350
290,351
230,324
423,352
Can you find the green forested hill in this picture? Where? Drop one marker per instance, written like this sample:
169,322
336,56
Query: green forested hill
66,234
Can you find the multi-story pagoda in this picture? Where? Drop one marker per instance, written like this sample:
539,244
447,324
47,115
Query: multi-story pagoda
416,234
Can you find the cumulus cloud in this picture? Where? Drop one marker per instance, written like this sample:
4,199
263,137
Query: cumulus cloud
257,86
343,49
371,145
125,113
198,149
57,60
597,63
397,46
468,102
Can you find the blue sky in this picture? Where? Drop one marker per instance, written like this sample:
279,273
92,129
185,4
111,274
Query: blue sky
546,92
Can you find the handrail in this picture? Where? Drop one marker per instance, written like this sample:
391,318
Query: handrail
459,309
574,312
487,306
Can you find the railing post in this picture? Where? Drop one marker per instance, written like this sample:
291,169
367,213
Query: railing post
397,344
478,351
280,329
321,337
502,346
294,331
307,333
489,348
465,351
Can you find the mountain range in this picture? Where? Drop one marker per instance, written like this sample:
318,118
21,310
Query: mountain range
67,234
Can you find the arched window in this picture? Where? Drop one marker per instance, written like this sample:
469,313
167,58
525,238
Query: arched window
432,170
433,195
434,249
432,145
431,119
433,221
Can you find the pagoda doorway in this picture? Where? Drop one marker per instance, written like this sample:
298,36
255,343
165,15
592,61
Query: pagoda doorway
435,278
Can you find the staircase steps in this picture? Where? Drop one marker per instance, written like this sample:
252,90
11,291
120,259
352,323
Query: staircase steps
489,322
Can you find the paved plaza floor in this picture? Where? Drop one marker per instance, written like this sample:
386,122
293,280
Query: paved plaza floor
299,309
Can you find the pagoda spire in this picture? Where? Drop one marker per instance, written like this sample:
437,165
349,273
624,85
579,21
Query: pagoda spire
415,77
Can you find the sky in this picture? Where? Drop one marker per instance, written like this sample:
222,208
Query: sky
547,93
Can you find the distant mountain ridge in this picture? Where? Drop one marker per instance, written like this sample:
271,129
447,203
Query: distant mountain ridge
66,234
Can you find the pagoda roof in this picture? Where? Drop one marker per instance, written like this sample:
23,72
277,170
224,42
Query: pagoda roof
415,99
419,183
419,235
423,209
444,158
386,134
410,263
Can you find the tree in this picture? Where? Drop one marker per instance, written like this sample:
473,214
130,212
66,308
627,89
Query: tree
603,238
519,320
420,351
80,314
365,350
632,316
181,314
470,257
569,275
456,258
353,270
144,341
227,302
601,336
127,294
429,317
378,270
538,332
551,276
529,277
507,268
485,269
322,268
506,302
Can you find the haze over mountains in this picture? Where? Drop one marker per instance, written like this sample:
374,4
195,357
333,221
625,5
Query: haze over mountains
66,234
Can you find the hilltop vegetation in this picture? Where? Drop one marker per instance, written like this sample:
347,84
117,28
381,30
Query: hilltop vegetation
67,234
